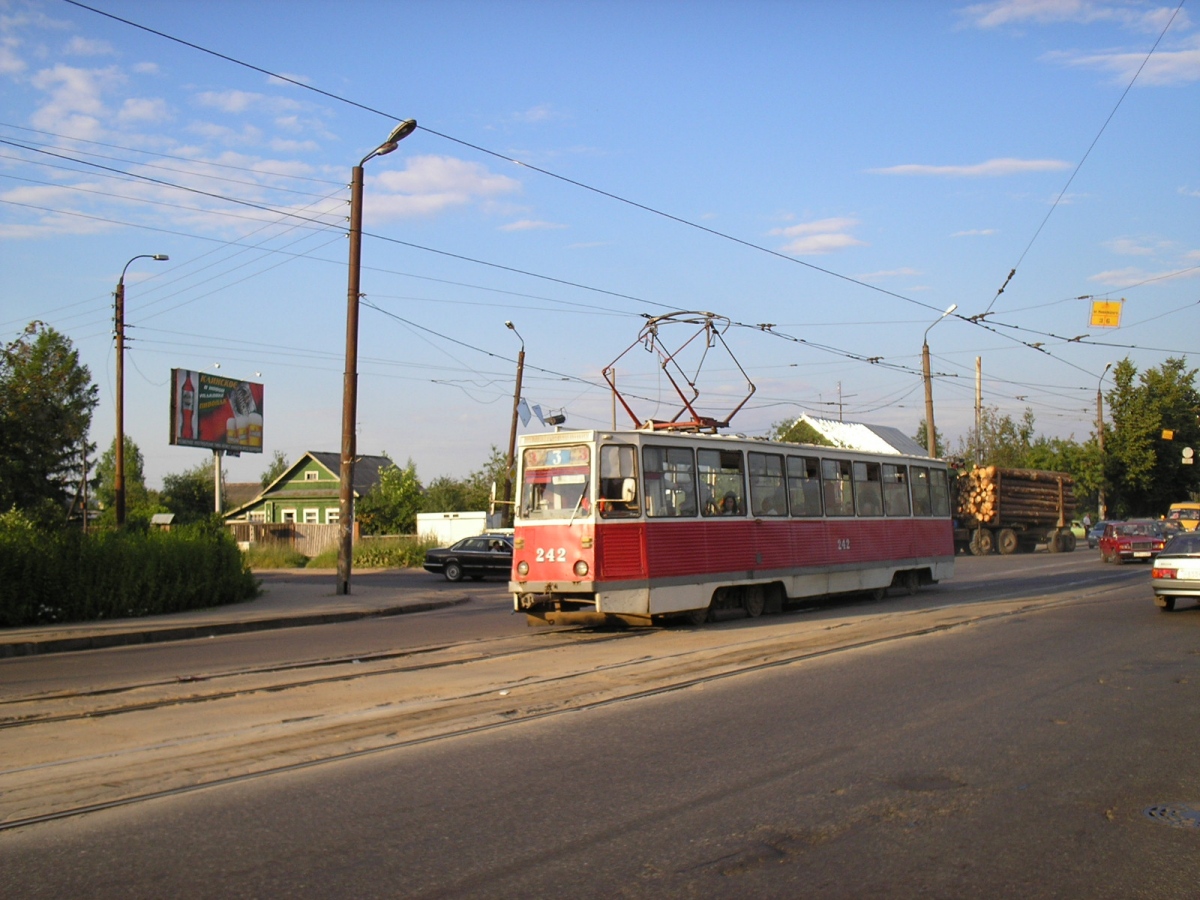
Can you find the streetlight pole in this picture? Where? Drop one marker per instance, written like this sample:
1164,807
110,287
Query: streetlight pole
350,377
509,511
119,460
1101,506
930,433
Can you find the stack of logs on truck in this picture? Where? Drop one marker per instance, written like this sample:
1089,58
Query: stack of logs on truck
1013,510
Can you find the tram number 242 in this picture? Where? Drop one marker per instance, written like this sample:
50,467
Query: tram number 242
843,543
551,554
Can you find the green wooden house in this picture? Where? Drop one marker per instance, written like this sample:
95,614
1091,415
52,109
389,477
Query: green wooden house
308,492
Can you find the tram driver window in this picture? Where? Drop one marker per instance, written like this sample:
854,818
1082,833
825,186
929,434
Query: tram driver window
837,484
618,496
670,481
722,482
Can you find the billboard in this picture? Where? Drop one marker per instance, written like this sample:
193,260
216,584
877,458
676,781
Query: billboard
216,412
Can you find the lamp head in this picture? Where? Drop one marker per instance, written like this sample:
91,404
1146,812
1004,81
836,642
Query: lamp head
161,257
399,133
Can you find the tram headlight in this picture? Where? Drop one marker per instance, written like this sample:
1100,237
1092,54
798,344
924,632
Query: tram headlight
581,568
522,568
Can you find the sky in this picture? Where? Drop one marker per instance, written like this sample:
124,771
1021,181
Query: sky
826,179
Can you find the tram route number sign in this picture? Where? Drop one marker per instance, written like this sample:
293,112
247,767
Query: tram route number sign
1106,313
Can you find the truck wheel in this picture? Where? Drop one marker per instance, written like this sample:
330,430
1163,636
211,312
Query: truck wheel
982,542
1007,542
1068,542
1054,542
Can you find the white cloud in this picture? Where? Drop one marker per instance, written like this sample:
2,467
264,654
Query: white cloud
1163,68
75,107
819,237
282,145
430,184
1121,278
236,102
890,273
993,168
137,109
10,62
146,68
1139,17
974,232
81,46
531,225
1136,247
540,113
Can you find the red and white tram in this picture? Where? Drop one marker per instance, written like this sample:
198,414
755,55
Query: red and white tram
641,525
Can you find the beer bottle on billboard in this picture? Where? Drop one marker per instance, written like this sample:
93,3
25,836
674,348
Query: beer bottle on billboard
188,402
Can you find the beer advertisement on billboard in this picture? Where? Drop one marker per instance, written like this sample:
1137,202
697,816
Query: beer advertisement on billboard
216,412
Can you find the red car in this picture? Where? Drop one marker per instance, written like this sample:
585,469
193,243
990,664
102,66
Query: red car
1137,539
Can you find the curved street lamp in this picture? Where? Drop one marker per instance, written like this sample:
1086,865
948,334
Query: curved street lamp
350,378
119,460
930,434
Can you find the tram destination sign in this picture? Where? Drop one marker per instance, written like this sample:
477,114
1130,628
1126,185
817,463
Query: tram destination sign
216,412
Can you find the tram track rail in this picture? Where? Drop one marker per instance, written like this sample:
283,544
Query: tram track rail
489,692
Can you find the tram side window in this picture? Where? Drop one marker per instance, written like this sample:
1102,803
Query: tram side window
868,489
895,490
920,491
618,495
767,495
836,481
804,485
670,481
722,482
938,494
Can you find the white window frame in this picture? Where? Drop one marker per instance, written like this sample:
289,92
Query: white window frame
287,515
333,515
312,515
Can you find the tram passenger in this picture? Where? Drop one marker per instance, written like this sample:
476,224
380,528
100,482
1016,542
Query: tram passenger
729,504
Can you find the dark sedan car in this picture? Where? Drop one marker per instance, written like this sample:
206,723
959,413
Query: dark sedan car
1176,572
486,554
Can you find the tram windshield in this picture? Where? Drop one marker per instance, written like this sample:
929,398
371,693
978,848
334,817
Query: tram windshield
556,482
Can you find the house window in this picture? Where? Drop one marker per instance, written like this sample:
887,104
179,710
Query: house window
287,515
311,476
312,516
332,516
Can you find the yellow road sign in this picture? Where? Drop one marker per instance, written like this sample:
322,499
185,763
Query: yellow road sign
1106,313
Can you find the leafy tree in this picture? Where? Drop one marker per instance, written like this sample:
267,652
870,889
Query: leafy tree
189,494
391,506
140,502
1001,441
46,403
921,437
479,482
446,494
797,431
1143,471
279,465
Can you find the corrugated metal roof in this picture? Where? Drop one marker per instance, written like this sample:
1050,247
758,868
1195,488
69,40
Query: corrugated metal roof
859,436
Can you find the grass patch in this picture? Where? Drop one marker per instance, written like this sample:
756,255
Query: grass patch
274,556
403,552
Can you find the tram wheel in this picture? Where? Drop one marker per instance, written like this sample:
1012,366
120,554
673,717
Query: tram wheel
697,617
911,581
754,601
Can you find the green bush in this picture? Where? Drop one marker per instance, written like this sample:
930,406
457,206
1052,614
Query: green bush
405,551
67,576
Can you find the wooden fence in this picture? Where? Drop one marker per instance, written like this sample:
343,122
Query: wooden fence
310,539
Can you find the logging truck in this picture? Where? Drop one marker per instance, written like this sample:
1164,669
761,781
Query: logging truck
1013,510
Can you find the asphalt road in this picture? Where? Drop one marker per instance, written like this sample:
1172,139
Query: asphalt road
1017,753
